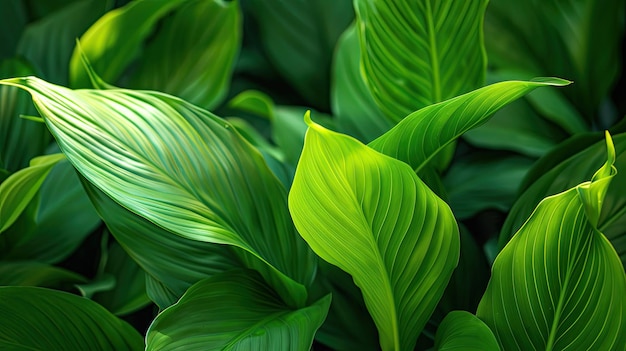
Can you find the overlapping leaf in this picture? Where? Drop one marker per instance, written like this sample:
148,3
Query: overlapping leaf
559,284
461,330
235,311
43,319
371,216
416,53
32,273
181,168
422,134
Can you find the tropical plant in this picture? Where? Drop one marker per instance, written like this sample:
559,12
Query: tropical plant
361,184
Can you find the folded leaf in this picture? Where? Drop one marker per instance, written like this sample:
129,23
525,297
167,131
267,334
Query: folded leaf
371,216
559,284
20,188
417,53
423,133
181,168
44,319
235,311
461,330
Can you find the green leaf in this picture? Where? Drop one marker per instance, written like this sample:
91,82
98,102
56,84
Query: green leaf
235,311
193,53
13,19
154,154
419,53
31,273
21,139
21,187
299,38
556,173
43,319
559,284
49,42
55,223
371,216
423,133
351,101
461,330
114,41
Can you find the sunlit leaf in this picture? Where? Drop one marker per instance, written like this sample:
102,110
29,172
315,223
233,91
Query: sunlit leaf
423,133
417,53
235,311
461,330
20,188
164,179
559,284
43,319
371,216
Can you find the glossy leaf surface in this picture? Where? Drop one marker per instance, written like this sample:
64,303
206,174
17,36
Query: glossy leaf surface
43,319
416,53
235,311
559,284
371,216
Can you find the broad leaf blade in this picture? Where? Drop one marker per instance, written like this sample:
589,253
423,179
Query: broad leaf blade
412,139
416,53
461,330
371,216
155,154
193,54
559,283
32,273
20,188
235,311
43,319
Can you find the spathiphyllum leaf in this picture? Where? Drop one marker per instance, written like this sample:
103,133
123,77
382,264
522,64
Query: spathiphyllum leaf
559,284
371,216
235,310
422,134
179,167
416,53
462,330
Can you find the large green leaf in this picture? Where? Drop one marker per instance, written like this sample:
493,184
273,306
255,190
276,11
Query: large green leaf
43,319
180,167
48,44
299,38
32,273
351,101
416,53
193,53
560,37
20,139
563,173
423,133
559,284
371,216
55,223
20,188
114,41
461,330
235,311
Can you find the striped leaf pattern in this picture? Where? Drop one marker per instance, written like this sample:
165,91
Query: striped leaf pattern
559,284
416,53
371,216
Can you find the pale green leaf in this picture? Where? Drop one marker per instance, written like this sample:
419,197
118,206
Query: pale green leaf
193,53
423,133
351,101
559,284
462,331
235,311
154,154
44,319
114,41
20,188
32,273
371,216
417,53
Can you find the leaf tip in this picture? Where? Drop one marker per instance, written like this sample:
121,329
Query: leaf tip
554,81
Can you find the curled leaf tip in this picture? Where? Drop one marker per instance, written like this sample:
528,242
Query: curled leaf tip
307,118
610,148
552,81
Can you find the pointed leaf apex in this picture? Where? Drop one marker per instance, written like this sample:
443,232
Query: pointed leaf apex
552,81
307,118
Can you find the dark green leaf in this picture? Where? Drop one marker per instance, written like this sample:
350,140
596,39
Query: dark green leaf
31,273
13,19
235,311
